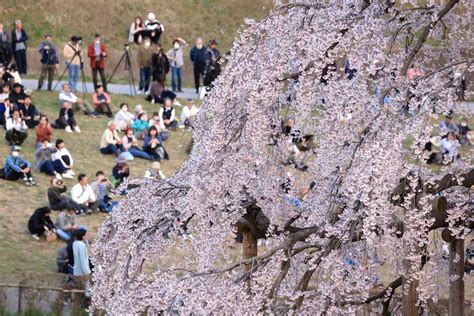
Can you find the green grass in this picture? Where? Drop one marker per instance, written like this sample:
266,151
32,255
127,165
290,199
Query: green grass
20,253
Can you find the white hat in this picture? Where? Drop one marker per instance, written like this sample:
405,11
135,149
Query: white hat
151,16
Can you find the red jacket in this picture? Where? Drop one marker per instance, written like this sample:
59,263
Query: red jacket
93,57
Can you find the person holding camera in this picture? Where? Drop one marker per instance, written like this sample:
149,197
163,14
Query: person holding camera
97,54
49,62
73,58
16,129
58,201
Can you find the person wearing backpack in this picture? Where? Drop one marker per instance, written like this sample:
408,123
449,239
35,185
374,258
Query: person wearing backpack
49,62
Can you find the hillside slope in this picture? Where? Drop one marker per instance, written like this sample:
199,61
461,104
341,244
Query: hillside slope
186,18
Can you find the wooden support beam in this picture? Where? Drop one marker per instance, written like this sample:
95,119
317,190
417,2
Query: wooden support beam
456,272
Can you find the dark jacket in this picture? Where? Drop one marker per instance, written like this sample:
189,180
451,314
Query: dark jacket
54,194
23,39
213,68
198,56
38,220
14,97
31,111
161,66
48,56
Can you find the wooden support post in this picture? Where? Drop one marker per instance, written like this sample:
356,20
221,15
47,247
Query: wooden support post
409,297
456,269
249,247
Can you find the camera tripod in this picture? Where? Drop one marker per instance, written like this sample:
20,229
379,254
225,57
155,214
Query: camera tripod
128,67
81,67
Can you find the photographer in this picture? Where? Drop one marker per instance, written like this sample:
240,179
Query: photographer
73,58
59,202
97,54
16,129
101,188
49,62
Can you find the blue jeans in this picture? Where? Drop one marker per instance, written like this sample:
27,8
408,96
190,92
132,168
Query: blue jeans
66,235
145,75
49,167
73,71
139,153
111,149
176,75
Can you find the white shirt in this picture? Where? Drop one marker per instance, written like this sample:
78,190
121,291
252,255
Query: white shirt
10,124
81,194
67,97
189,112
59,154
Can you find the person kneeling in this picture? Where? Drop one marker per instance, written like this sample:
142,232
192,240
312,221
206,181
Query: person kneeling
16,167
40,223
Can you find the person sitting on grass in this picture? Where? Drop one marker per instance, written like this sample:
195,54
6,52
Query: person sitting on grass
82,194
101,188
123,119
130,144
140,126
155,172
16,129
189,111
44,163
66,224
62,160
111,142
66,119
29,113
40,223
153,145
17,168
43,130
102,101
120,171
167,115
449,148
58,201
67,96
17,95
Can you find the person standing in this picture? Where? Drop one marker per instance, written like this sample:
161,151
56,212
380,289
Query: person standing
213,69
49,62
161,66
73,58
175,56
19,45
198,58
5,47
81,269
97,54
145,52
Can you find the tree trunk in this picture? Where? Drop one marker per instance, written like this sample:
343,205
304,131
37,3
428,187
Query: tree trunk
249,247
456,269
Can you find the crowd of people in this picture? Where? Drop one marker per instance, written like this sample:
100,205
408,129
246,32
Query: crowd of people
130,133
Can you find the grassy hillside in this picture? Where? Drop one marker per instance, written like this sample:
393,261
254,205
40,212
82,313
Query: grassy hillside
20,253
186,18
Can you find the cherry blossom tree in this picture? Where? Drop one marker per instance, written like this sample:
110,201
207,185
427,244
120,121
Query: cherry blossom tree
374,201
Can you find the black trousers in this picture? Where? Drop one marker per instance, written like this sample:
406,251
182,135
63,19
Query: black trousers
15,137
198,73
102,77
20,59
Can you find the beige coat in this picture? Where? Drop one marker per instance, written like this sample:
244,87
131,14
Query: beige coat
68,53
